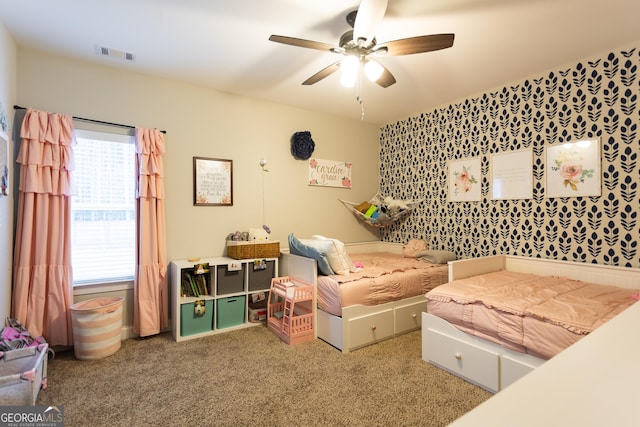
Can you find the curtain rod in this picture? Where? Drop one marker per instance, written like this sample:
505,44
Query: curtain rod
17,107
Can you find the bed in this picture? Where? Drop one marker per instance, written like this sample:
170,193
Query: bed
502,316
381,303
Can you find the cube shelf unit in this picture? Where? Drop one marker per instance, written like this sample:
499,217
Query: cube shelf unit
231,287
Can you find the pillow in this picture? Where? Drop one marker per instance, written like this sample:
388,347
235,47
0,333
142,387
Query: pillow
329,248
343,262
296,247
436,256
413,247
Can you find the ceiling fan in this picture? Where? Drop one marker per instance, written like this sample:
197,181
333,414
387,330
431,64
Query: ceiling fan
359,46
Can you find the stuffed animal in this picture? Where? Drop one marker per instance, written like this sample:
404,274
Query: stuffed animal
237,236
258,235
394,206
414,247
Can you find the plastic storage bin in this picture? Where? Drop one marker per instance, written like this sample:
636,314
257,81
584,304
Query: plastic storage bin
23,373
97,327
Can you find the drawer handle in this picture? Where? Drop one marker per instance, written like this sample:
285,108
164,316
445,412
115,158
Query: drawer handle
458,356
414,315
373,327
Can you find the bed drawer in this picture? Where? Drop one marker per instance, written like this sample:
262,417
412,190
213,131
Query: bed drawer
476,364
409,317
371,328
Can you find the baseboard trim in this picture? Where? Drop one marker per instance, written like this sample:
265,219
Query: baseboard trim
127,332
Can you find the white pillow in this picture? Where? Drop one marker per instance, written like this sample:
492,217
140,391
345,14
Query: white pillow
329,249
345,260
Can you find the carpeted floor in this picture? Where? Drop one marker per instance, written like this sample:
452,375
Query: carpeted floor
251,378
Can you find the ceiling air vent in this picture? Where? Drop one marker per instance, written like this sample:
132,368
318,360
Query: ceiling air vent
115,53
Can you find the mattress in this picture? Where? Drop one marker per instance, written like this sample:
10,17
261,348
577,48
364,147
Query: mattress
539,315
384,277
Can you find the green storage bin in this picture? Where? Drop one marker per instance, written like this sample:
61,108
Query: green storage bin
230,311
192,323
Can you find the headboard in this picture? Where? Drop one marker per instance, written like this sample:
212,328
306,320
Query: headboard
623,277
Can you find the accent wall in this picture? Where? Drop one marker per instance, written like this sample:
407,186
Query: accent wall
593,98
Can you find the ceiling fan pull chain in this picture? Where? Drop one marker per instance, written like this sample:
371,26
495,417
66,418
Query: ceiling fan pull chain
359,97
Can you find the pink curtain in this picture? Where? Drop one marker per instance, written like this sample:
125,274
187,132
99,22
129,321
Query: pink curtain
151,293
42,276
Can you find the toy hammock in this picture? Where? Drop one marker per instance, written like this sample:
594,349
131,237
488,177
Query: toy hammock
380,211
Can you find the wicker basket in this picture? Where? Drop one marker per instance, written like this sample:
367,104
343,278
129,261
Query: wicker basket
249,250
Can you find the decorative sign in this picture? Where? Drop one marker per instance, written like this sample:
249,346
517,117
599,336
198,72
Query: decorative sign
465,180
329,173
512,175
212,182
573,169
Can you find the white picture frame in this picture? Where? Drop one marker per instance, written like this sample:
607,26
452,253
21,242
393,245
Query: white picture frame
512,175
465,180
573,169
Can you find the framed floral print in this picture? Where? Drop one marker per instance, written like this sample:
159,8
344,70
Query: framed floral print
572,169
465,180
212,182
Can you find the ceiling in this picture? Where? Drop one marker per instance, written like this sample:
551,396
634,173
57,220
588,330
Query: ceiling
224,44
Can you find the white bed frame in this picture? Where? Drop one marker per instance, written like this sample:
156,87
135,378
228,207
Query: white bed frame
359,325
485,363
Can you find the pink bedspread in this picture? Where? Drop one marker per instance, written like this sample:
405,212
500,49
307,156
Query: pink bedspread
529,313
385,277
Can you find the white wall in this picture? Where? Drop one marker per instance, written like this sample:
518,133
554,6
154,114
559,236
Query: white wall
207,123
7,98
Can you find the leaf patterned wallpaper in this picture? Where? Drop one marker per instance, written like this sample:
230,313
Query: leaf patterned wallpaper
597,98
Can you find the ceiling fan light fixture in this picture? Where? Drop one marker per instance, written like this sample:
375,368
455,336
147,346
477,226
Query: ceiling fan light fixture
349,71
373,70
358,47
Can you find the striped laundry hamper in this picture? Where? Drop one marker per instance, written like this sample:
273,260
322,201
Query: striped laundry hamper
97,327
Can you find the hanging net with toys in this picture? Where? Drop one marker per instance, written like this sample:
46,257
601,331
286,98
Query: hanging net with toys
381,211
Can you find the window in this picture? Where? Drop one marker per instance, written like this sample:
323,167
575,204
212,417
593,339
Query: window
103,228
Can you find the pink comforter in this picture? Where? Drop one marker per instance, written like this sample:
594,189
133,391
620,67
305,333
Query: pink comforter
385,277
513,308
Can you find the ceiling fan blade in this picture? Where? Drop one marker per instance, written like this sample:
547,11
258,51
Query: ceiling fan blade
310,44
369,16
386,79
417,44
325,72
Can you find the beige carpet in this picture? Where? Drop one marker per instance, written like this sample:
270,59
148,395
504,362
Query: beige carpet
251,378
